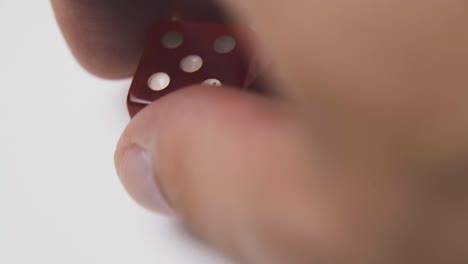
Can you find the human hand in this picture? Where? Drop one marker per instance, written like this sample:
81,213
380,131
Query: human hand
358,155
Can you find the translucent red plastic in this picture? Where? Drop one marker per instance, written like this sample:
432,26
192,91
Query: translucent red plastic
233,69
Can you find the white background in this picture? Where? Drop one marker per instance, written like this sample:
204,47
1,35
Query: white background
60,201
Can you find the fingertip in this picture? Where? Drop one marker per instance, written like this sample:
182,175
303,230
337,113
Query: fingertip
135,170
169,120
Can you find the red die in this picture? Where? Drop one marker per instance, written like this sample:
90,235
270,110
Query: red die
178,54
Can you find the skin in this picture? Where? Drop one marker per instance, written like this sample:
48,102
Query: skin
357,156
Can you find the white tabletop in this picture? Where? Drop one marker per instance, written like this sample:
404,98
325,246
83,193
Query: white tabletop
60,201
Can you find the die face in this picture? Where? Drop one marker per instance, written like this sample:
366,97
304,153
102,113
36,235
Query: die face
178,54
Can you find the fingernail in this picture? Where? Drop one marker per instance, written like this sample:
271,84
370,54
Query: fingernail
136,173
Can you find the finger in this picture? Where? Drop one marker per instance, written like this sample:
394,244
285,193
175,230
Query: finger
107,36
374,65
363,53
236,168
220,158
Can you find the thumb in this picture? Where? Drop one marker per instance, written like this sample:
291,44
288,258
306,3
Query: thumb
233,167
